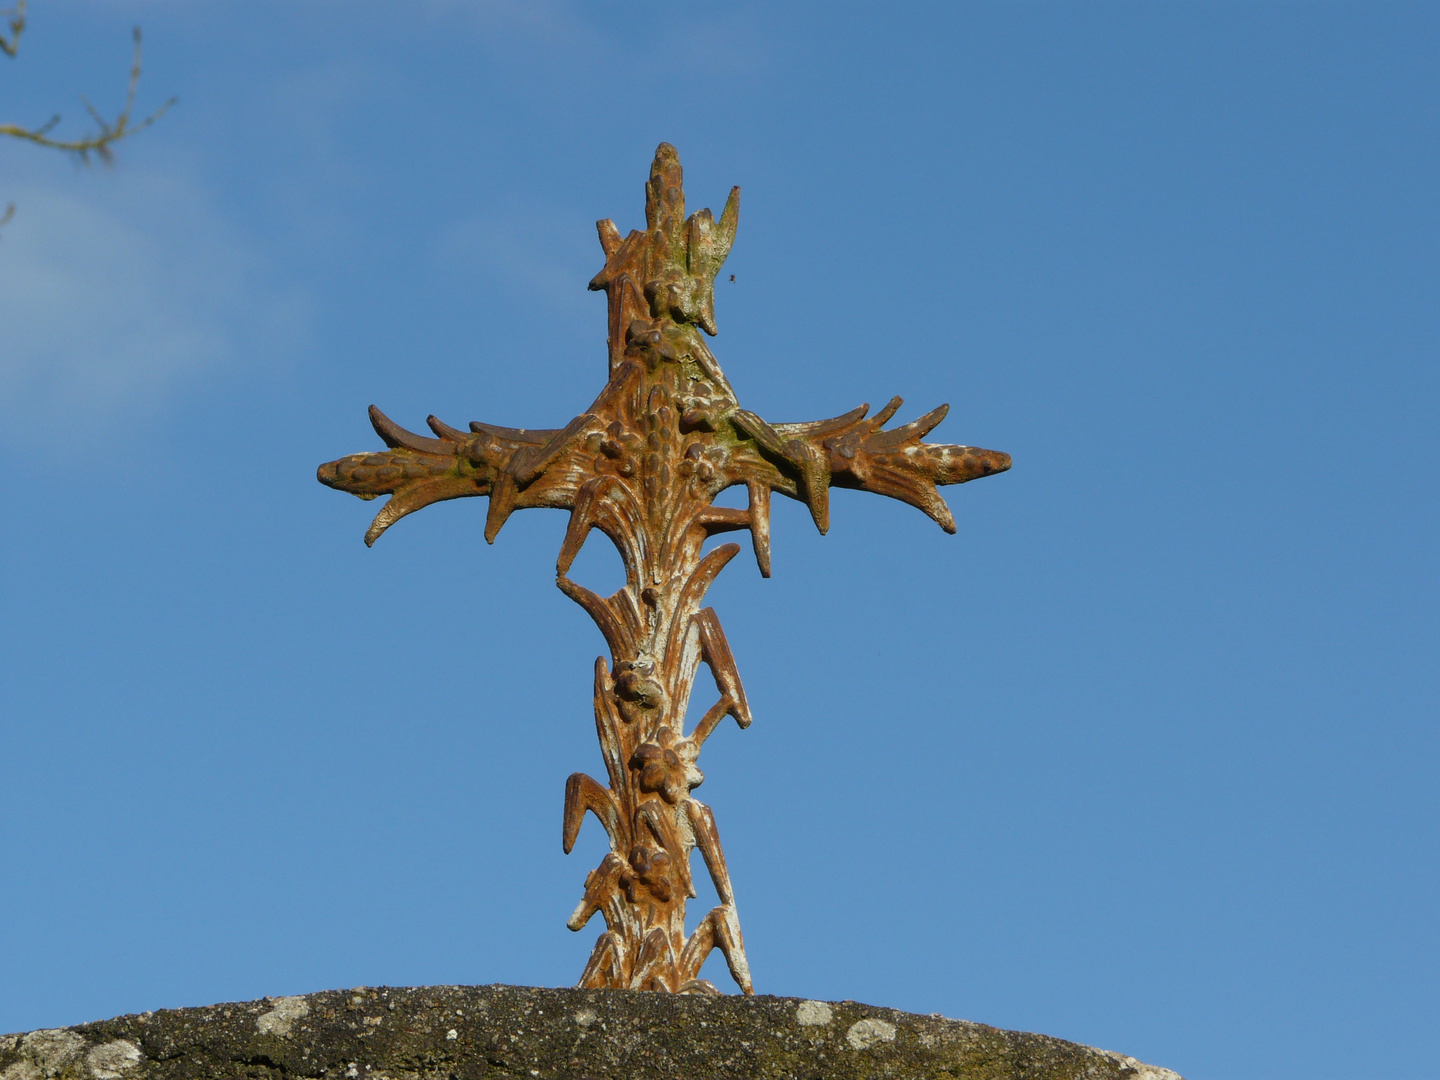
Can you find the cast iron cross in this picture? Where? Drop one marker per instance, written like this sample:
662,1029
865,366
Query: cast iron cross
644,466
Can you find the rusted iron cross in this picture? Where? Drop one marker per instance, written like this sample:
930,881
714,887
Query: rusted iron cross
644,466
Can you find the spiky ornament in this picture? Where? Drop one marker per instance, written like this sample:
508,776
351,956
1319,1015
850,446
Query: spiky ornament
644,466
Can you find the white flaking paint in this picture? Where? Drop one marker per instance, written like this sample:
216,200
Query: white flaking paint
280,1019
813,1013
864,1034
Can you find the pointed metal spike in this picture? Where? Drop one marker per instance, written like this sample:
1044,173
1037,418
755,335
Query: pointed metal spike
948,521
607,726
883,442
580,524
705,317
609,236
394,435
881,418
600,888
732,947
416,496
503,496
711,720
930,420
698,946
715,649
617,634
760,524
585,793
814,483
729,221
526,436
707,839
445,431
814,428
939,511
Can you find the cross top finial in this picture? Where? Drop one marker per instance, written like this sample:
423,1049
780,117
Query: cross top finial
644,466
668,271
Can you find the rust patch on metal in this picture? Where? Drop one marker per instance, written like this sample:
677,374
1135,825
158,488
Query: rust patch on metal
644,466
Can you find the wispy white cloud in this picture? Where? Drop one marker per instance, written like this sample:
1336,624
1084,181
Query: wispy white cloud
118,290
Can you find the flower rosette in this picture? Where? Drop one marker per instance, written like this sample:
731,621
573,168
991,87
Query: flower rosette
666,768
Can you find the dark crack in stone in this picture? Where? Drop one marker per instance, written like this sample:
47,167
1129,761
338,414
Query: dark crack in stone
474,1032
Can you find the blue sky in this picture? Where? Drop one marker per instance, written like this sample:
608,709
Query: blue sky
1143,757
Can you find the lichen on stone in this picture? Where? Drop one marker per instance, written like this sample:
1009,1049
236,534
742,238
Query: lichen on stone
491,1032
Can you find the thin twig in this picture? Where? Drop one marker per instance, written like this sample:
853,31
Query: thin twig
10,46
109,133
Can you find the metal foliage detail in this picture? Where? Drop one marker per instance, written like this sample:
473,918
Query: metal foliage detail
643,466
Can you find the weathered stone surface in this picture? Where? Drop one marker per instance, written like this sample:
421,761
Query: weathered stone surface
470,1032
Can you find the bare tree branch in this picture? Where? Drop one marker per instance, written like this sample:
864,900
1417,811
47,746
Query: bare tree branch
11,45
109,133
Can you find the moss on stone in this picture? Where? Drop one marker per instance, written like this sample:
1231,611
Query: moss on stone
474,1032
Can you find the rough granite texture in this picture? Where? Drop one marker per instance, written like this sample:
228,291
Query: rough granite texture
469,1032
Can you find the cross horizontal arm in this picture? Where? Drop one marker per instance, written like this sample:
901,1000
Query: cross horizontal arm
415,471
805,460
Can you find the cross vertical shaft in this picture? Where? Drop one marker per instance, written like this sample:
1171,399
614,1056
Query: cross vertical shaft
643,466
